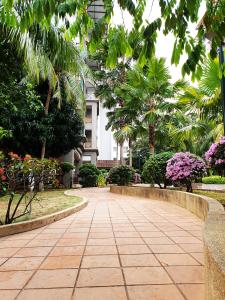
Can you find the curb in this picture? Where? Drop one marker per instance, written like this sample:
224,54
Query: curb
42,221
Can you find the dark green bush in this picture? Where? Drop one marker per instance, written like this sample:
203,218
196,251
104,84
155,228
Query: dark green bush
214,179
66,166
154,170
88,174
121,175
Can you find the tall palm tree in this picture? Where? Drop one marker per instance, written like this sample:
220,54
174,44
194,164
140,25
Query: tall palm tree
148,88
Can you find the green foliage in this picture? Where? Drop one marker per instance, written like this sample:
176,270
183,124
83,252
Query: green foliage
101,180
66,166
88,174
213,180
121,175
154,170
63,128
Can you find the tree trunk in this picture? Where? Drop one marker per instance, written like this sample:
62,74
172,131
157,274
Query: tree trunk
130,154
47,104
151,137
43,148
121,154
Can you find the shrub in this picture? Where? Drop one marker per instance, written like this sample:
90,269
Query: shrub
121,175
101,180
215,156
66,167
88,174
154,170
184,167
214,179
23,175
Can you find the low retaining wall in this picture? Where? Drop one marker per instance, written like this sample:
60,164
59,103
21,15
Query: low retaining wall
209,210
40,222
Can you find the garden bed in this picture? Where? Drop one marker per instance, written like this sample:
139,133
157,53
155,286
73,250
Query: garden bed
46,203
217,195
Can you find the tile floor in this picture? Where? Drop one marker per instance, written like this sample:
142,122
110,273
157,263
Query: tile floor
117,248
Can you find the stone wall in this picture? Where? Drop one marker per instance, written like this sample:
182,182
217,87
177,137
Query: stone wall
209,210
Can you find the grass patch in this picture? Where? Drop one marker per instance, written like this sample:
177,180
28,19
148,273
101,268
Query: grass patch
45,203
219,196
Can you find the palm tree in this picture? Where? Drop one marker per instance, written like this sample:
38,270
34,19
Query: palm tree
148,88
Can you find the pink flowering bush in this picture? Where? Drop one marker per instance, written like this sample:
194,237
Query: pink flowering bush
184,167
215,156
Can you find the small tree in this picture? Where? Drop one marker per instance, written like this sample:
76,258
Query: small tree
88,174
19,181
215,156
121,175
184,167
154,170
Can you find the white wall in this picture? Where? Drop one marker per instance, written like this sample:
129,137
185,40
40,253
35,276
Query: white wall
106,143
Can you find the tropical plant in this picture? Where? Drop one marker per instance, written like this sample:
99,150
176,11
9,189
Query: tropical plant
185,167
148,88
19,182
88,174
121,175
154,170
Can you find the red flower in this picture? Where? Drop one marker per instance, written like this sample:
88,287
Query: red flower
27,157
3,178
2,171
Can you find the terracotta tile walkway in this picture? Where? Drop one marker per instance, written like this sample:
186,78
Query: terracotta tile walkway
117,248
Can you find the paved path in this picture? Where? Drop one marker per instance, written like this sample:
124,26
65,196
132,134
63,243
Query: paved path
118,248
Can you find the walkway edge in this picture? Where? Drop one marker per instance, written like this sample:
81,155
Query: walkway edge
10,229
209,210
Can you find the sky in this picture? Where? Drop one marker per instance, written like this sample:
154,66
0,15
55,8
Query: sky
164,46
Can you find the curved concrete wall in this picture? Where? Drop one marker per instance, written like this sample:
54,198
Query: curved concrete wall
209,210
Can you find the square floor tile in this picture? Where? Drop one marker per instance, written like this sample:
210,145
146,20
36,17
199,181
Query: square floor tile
61,262
192,247
37,251
133,249
100,277
14,279
61,251
193,291
100,250
158,240
53,278
72,242
129,241
101,242
2,260
100,293
186,274
22,264
176,260
155,292
8,295
100,261
139,260
13,244
42,243
186,240
146,275
101,235
8,252
152,234
46,294
166,249
199,257
127,234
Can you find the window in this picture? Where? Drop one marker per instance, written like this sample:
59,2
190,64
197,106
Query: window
88,134
88,117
